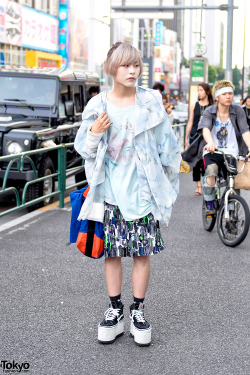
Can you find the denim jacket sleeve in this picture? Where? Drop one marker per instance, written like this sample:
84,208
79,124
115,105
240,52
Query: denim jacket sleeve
169,151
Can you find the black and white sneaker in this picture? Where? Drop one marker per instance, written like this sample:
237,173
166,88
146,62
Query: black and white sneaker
112,325
140,329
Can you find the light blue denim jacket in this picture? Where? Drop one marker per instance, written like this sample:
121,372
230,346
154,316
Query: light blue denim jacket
157,149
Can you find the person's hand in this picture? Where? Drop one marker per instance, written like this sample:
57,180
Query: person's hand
210,147
101,124
168,108
186,142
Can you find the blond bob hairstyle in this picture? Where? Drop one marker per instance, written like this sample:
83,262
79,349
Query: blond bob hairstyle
121,54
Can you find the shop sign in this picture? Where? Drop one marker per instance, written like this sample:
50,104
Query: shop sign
197,71
40,30
63,32
10,22
158,33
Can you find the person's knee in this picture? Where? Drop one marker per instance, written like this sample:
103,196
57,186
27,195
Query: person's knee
210,174
142,261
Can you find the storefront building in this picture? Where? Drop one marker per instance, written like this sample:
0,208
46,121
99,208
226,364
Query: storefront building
28,36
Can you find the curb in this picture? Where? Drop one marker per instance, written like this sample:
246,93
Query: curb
30,215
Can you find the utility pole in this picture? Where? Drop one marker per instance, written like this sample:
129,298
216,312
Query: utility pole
229,73
160,8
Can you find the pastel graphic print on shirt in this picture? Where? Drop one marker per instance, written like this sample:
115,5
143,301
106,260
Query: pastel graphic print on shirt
224,137
121,177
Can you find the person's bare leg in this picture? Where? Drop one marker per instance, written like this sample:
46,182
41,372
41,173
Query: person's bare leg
211,180
112,325
113,273
141,275
140,329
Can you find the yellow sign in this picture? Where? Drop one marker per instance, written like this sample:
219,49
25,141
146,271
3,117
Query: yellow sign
41,59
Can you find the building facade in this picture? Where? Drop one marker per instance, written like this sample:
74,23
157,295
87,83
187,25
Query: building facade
29,33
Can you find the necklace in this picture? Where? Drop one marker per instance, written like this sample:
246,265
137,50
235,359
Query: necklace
202,109
226,117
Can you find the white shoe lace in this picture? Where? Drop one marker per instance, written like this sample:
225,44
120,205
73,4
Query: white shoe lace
112,313
139,315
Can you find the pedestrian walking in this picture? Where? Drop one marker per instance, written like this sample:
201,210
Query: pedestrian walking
205,99
168,106
132,162
246,108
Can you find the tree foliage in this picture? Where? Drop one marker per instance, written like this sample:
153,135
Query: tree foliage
236,80
212,74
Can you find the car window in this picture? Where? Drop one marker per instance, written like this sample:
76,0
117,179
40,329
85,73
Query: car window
90,91
78,98
64,96
34,91
181,107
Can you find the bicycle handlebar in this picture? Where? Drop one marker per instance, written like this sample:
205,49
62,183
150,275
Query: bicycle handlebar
229,168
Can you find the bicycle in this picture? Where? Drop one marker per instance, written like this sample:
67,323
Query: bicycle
232,211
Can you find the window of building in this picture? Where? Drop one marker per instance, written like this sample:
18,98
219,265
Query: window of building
12,55
26,2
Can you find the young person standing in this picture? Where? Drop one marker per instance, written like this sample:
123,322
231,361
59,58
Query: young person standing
132,162
205,99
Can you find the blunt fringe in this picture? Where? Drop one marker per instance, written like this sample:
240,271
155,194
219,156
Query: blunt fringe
121,54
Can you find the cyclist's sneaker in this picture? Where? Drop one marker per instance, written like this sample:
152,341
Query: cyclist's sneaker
140,329
231,227
211,207
112,325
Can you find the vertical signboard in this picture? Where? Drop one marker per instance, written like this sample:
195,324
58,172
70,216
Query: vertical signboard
158,33
63,32
198,74
197,70
10,22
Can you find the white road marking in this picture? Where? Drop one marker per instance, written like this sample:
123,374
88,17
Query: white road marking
20,220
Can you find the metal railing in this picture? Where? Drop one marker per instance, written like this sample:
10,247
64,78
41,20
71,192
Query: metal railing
62,173
180,133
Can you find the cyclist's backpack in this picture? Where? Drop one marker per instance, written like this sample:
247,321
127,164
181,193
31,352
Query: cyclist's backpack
87,234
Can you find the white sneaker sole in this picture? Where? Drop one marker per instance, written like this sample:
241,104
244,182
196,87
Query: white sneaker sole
141,337
107,335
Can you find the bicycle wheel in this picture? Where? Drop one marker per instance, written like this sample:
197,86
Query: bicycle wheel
233,231
208,220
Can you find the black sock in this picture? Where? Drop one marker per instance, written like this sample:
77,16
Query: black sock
116,300
138,300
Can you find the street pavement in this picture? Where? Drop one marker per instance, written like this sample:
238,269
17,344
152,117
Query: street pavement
198,302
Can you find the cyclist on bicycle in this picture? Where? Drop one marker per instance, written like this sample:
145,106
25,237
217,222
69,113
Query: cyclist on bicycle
224,127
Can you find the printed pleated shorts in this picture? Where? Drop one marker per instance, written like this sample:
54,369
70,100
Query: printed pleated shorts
130,238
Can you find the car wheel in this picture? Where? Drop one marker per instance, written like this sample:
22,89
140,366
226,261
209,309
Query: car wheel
47,186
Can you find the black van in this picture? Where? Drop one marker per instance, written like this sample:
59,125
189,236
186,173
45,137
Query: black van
41,108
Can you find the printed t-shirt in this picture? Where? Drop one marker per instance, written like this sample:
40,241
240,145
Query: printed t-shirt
121,179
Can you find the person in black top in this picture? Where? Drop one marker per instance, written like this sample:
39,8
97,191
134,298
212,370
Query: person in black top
246,108
205,99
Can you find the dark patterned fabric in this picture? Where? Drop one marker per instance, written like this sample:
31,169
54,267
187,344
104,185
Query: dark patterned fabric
130,238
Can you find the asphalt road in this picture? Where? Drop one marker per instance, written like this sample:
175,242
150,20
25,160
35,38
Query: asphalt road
198,302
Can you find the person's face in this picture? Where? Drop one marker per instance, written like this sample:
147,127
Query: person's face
226,98
128,74
94,94
201,93
248,102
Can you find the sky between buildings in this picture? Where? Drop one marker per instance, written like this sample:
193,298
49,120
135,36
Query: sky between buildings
211,20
